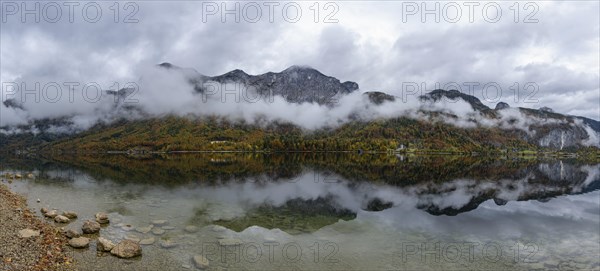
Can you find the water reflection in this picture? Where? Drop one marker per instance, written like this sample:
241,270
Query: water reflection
362,203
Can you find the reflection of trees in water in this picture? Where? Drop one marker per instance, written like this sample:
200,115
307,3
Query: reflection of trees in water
424,175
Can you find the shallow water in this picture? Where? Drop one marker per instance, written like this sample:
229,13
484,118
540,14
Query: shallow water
342,213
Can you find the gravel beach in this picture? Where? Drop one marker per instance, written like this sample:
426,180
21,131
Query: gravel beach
21,248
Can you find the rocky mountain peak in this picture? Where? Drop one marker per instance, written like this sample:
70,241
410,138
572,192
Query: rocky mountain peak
501,105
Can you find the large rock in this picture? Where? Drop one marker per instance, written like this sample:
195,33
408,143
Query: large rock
61,219
200,261
127,249
27,233
79,242
104,244
90,227
102,218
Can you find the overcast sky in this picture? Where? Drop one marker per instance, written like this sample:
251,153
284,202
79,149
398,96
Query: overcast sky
553,47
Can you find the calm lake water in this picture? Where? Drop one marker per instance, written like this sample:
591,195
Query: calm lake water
327,211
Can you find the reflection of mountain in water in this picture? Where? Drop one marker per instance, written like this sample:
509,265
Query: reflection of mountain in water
321,188
294,217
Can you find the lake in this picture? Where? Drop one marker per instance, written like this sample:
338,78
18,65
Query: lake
339,211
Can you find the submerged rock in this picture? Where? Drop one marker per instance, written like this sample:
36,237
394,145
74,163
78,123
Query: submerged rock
127,249
146,229
158,231
200,261
191,229
166,244
159,222
147,241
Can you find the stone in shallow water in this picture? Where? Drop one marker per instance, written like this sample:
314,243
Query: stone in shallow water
127,249
201,261
104,244
70,214
134,238
102,218
72,233
51,214
191,229
158,231
90,227
61,219
159,222
146,229
168,244
168,228
27,233
147,241
127,227
79,242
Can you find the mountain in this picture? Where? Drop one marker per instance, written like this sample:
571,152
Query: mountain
297,84
429,126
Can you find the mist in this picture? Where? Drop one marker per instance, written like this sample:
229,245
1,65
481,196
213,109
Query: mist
161,92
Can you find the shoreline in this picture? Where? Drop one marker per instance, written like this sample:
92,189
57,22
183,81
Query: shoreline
47,251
